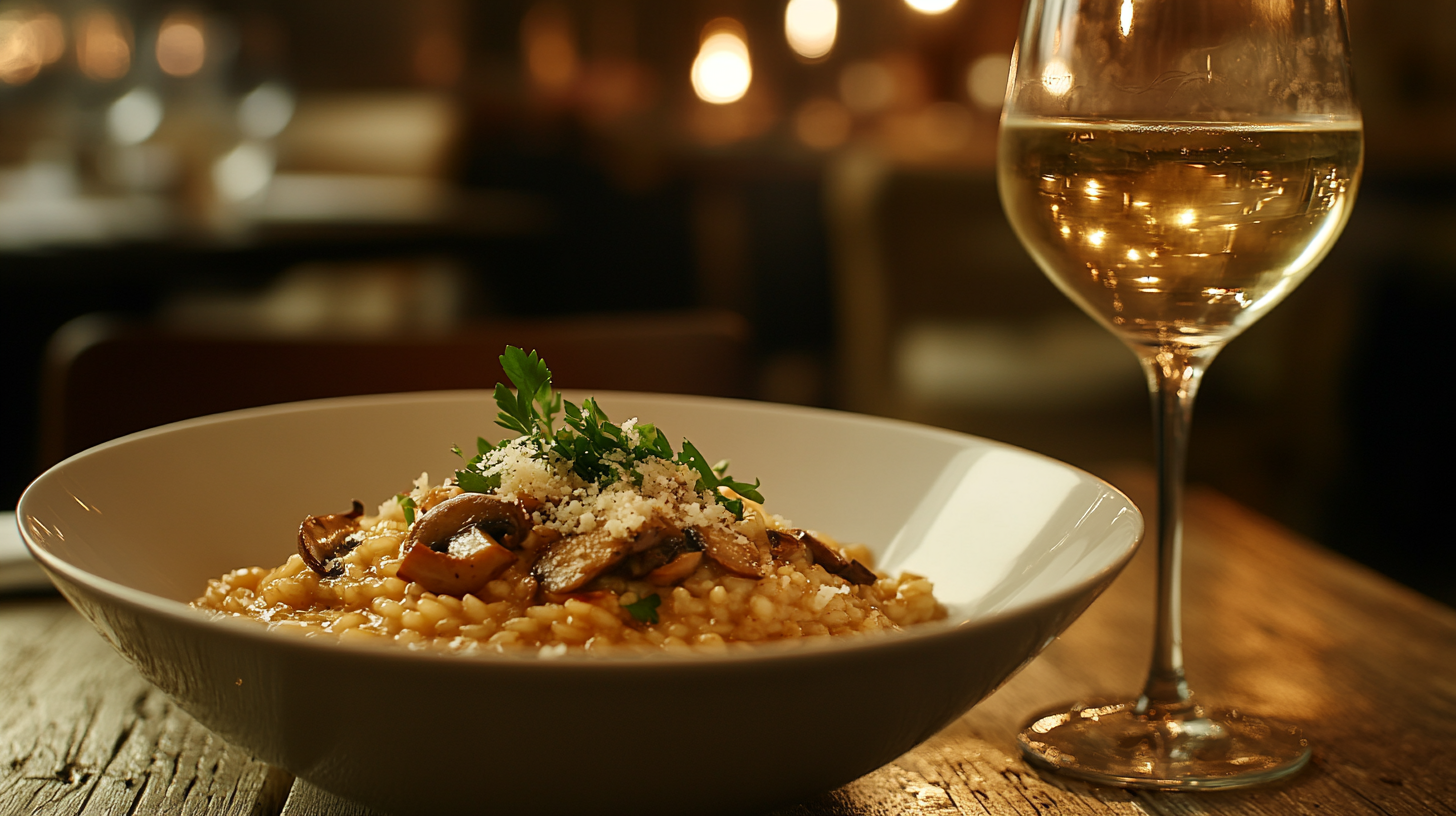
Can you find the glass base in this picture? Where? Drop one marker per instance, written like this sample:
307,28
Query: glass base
1110,744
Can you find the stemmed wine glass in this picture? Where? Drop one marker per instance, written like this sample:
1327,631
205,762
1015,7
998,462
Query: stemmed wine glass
1176,167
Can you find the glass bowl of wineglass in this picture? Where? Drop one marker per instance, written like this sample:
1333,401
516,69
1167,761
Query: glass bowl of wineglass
1176,167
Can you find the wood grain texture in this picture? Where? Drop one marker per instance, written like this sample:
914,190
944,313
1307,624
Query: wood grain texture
82,733
1272,623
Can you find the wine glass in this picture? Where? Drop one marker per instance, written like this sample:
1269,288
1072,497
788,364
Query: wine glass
1176,167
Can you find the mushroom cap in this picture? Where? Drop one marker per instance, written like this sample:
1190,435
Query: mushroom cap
506,522
446,574
486,527
734,552
832,560
322,539
572,562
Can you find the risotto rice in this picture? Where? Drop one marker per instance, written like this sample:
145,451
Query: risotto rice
638,552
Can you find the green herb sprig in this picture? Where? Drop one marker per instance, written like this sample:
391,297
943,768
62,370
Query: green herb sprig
598,450
409,507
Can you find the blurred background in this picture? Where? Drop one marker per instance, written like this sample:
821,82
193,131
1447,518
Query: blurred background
202,196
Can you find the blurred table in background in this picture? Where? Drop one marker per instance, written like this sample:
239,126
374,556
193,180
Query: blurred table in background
1272,623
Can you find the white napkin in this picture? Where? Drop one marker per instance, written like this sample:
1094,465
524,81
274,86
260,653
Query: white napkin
18,571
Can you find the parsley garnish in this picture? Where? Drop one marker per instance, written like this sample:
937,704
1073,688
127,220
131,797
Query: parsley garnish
598,450
645,609
409,507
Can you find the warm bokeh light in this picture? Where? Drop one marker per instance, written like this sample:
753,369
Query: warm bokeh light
1124,21
50,36
134,117
866,87
944,127
181,45
931,6
722,71
244,172
549,44
265,111
103,45
811,26
20,49
822,124
986,80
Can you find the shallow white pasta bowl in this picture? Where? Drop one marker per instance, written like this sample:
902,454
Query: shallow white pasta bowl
1017,545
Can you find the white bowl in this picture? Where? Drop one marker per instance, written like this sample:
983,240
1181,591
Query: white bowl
1017,545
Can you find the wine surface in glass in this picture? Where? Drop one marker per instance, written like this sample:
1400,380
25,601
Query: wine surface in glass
1176,233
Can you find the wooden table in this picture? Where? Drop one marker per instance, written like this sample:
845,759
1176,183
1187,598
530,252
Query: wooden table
1273,624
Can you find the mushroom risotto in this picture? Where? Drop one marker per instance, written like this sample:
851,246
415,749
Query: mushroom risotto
587,535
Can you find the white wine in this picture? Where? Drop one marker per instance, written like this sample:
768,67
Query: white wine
1177,233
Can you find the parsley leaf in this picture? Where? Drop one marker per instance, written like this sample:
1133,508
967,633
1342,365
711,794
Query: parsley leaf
645,609
712,477
596,449
518,411
409,507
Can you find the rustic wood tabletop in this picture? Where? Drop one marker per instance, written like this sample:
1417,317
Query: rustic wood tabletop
1273,624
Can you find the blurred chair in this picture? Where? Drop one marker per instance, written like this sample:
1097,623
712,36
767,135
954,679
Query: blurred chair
105,378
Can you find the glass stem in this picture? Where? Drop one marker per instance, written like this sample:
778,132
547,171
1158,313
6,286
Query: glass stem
1173,373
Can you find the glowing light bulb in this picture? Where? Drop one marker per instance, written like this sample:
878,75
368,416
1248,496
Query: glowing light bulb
931,6
722,72
811,26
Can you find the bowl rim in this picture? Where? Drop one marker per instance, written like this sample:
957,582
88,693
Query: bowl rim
926,633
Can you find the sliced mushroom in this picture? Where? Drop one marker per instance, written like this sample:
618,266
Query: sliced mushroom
784,546
665,546
575,560
833,561
675,570
463,543
474,560
322,539
734,552
858,573
506,522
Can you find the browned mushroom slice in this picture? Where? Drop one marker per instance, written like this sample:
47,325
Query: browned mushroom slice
675,570
656,547
734,552
833,561
322,539
857,573
505,521
463,543
575,560
473,560
784,546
